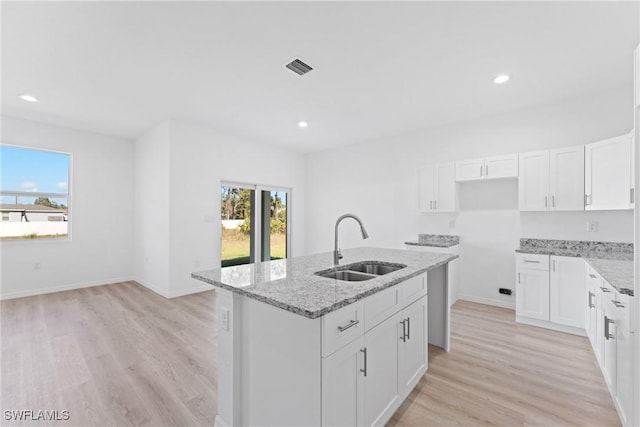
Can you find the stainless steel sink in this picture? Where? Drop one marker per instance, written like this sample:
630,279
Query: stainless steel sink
360,271
349,276
377,269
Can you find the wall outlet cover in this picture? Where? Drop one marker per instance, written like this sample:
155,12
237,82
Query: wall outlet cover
592,226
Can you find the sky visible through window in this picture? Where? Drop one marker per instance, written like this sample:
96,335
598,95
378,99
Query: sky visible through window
29,171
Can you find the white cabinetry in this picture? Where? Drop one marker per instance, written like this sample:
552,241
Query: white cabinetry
552,180
550,292
496,167
438,188
593,283
365,381
608,174
343,386
532,286
566,290
413,346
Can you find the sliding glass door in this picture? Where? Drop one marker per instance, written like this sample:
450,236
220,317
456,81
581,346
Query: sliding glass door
255,223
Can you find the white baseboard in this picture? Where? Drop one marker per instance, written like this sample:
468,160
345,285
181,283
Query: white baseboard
487,301
175,293
191,290
161,292
50,290
550,325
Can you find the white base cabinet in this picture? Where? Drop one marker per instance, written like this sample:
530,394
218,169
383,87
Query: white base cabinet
550,292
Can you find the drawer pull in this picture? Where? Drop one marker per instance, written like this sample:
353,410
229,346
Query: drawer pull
348,325
531,261
591,295
593,276
603,289
404,330
408,328
617,303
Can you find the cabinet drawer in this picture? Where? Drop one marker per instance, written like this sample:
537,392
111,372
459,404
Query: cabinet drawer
381,305
413,289
342,326
532,262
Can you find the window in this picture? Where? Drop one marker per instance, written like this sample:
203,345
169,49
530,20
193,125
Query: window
245,239
34,192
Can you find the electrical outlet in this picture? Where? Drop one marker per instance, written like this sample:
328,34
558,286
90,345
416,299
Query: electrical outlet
592,226
224,319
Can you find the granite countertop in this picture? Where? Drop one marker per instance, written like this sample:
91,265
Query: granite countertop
618,273
612,260
291,284
435,240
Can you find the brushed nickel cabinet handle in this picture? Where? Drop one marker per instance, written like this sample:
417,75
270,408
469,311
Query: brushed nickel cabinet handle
553,201
480,170
532,261
617,303
364,371
607,322
593,276
486,170
351,324
518,277
591,295
603,289
408,328
430,204
404,331
545,201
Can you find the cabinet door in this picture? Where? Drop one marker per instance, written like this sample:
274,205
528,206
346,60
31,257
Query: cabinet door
381,385
426,188
343,386
470,170
609,371
445,188
624,373
501,167
413,345
566,291
532,294
608,174
533,182
566,180
591,318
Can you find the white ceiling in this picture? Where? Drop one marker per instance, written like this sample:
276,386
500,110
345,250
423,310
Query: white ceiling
381,68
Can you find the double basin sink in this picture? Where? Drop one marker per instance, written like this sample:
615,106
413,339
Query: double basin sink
359,271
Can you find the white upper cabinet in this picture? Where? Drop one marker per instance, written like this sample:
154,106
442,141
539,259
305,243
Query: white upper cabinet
566,179
608,174
533,183
438,188
487,168
552,180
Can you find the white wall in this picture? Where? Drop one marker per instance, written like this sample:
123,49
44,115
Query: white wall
101,247
199,159
378,181
151,209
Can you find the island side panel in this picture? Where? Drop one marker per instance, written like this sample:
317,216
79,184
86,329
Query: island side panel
229,310
439,310
282,367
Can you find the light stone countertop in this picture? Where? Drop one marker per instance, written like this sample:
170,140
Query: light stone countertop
435,240
291,284
618,273
612,260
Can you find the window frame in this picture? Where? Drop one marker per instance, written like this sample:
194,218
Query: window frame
257,227
68,196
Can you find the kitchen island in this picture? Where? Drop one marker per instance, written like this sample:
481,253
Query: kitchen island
296,348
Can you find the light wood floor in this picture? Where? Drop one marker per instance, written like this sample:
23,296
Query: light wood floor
121,355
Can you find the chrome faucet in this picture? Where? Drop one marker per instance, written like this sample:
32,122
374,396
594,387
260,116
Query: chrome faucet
337,256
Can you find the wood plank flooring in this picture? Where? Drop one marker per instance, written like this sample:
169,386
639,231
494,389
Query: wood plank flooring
120,355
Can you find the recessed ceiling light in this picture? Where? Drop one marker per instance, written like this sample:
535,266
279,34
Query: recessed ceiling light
28,98
502,78
303,124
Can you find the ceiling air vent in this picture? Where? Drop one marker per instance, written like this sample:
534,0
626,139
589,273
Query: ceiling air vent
298,67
